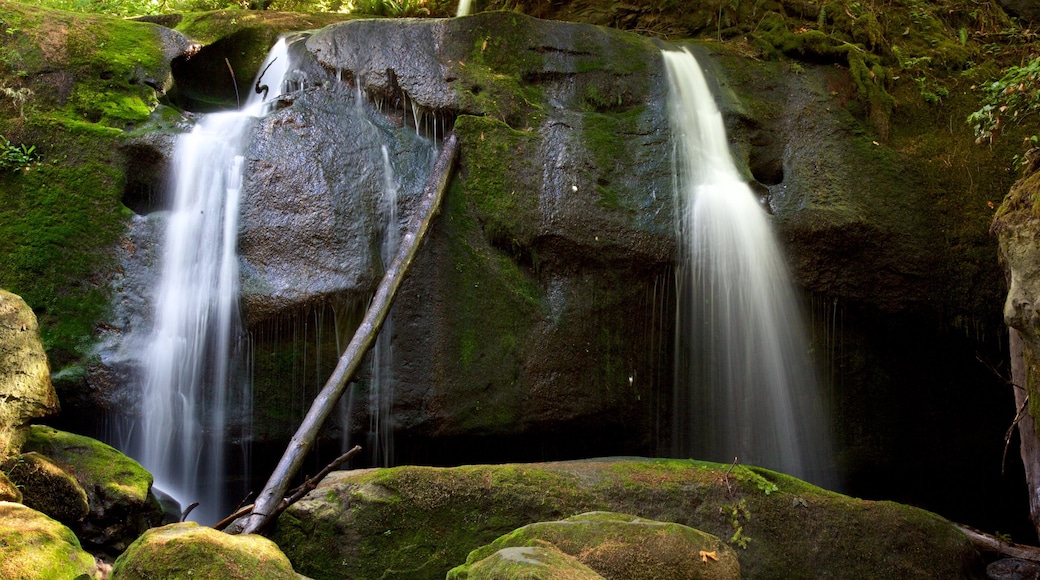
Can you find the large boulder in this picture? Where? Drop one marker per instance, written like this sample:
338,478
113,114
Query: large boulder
187,550
25,384
36,547
118,489
620,547
418,522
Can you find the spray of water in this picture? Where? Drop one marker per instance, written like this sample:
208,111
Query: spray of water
190,368
744,384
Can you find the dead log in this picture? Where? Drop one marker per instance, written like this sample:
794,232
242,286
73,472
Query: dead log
991,544
269,498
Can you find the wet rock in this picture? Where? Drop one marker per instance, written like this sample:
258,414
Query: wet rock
1013,569
187,550
36,547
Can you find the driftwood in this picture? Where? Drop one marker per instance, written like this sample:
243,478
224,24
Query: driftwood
296,494
986,543
269,498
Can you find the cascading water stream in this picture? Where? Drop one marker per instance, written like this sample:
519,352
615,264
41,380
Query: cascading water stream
190,358
381,393
744,384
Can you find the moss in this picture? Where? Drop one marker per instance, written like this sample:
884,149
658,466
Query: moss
187,550
209,27
528,563
102,468
35,547
416,522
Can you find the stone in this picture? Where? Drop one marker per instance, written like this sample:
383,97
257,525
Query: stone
367,523
121,503
621,547
533,563
188,550
47,488
36,547
9,490
26,392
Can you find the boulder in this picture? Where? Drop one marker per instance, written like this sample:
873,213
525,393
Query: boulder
620,547
9,490
118,489
36,547
25,385
187,550
47,488
419,522
532,562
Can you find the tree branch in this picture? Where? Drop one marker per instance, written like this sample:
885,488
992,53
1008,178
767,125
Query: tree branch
267,501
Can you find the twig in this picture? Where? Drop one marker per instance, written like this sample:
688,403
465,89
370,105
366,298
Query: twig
238,99
1019,415
187,510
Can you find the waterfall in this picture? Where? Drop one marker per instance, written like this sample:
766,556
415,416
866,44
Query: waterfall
463,8
381,392
191,358
744,386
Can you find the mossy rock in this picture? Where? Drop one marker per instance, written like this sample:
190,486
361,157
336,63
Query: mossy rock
418,522
187,550
621,547
122,505
527,563
9,490
26,392
47,487
36,547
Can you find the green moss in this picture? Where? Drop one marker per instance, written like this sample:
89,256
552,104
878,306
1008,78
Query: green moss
416,522
187,550
97,466
35,547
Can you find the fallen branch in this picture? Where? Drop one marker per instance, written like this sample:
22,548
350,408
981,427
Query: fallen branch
267,501
296,494
987,543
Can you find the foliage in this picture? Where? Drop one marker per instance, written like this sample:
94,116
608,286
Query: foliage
16,157
1007,101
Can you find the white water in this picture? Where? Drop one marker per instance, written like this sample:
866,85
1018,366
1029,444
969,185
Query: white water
463,8
191,356
381,391
745,387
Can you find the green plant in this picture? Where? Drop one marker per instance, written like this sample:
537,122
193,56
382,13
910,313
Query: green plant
1008,100
734,513
15,157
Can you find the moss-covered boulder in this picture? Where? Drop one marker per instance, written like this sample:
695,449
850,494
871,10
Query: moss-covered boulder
118,489
419,522
621,547
528,563
36,547
47,488
9,490
187,550
25,385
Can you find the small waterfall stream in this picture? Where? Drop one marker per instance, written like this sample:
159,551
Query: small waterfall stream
745,387
192,360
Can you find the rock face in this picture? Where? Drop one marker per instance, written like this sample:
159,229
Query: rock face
538,321
118,489
419,522
618,547
35,547
25,385
187,550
